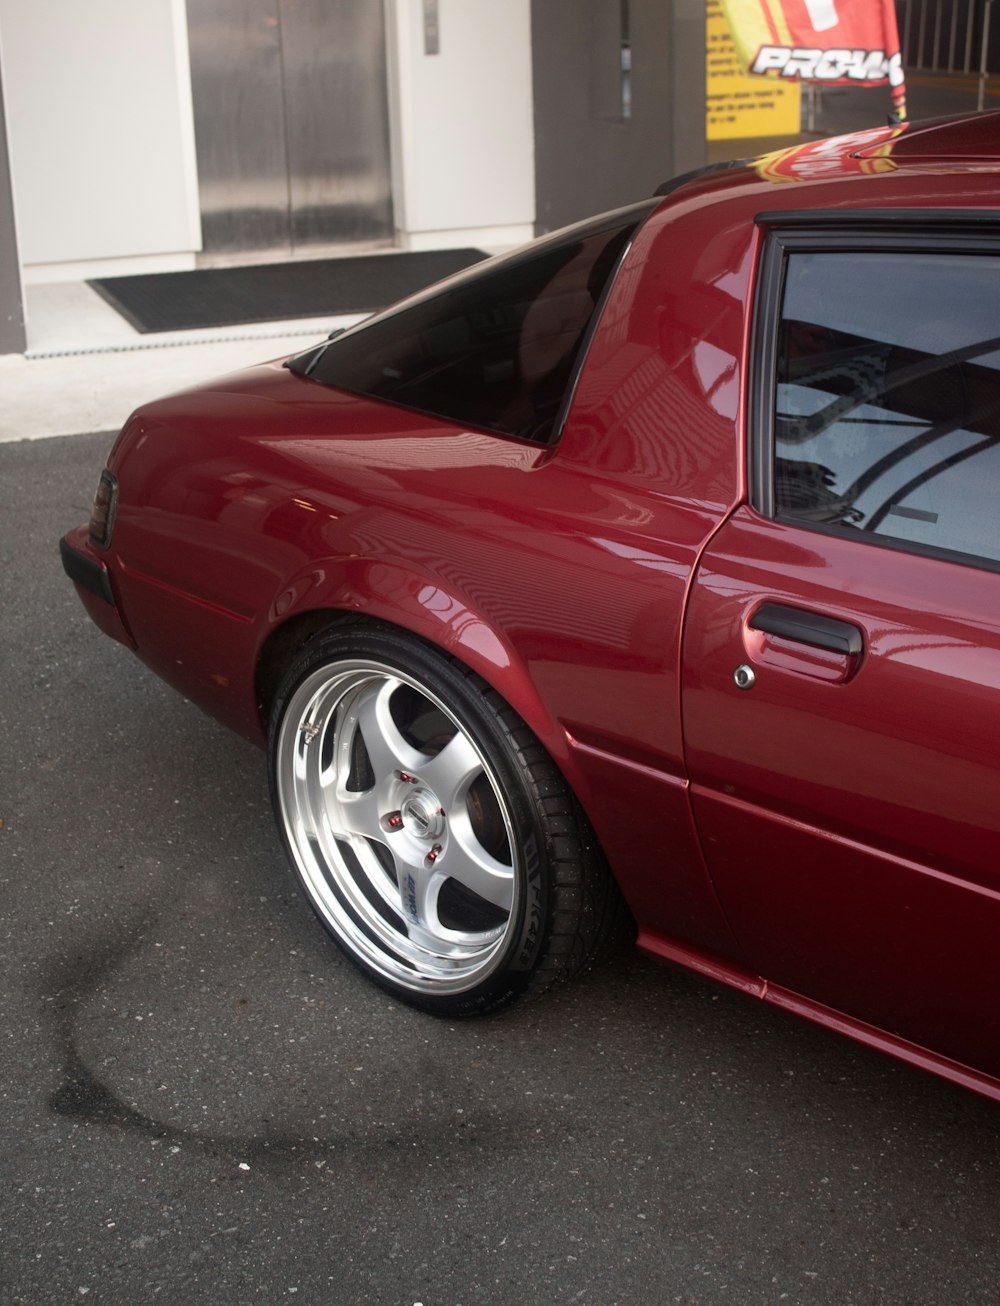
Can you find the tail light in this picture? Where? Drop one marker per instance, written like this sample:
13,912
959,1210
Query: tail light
102,517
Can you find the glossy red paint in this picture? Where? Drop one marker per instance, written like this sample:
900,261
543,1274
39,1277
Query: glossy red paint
827,842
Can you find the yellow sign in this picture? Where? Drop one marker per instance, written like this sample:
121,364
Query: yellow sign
738,105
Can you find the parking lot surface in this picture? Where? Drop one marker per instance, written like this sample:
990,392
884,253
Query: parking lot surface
203,1102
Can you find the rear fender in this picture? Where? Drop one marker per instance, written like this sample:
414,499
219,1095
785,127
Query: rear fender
398,595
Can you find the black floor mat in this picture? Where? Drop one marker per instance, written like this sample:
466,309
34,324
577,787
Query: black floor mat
270,292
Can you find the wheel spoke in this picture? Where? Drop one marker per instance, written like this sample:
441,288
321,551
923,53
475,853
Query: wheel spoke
358,813
419,884
388,751
471,865
452,771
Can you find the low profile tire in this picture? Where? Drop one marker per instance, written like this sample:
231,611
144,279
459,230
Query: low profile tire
434,837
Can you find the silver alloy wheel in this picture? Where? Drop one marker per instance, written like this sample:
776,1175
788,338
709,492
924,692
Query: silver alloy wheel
398,827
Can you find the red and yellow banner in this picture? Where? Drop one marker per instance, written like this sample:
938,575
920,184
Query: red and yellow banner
739,106
837,42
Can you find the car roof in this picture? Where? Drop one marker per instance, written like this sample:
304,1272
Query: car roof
975,137
954,147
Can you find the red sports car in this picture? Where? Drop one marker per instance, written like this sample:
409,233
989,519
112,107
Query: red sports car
658,560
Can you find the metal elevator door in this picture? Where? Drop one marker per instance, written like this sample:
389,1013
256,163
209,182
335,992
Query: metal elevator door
291,123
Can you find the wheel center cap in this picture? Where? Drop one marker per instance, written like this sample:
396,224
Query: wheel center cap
422,815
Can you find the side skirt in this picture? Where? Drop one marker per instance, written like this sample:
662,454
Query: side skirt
754,986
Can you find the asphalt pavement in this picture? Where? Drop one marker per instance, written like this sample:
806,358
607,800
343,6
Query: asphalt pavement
202,1102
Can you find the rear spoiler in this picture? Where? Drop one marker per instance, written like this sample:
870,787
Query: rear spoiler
675,183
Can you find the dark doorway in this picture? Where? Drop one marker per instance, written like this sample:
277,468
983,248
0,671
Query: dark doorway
619,89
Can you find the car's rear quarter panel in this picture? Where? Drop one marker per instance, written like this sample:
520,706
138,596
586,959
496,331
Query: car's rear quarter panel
558,574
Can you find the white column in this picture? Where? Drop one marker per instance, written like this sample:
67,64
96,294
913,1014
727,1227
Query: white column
462,123
102,134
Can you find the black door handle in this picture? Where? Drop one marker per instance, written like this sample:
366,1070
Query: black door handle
808,628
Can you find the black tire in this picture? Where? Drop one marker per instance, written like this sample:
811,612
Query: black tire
433,835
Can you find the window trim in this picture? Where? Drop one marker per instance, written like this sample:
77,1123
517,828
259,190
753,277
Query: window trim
872,231
587,339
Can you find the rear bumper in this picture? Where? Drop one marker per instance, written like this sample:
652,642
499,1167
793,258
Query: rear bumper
93,583
86,572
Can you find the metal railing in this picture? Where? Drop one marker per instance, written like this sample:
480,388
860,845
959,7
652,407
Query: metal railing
947,36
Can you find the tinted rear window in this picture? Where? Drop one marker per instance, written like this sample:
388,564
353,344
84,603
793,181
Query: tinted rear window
495,347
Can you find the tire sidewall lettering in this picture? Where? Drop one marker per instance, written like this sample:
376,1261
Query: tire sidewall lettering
534,902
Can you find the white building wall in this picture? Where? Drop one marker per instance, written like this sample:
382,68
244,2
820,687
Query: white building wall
462,123
101,133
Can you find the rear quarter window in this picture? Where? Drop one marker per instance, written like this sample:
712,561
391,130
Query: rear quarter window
496,347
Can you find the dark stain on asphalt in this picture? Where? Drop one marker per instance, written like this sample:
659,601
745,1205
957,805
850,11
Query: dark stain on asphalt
83,1096
81,1093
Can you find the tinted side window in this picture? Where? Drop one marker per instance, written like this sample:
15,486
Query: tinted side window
887,416
494,348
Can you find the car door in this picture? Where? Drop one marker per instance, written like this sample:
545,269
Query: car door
841,665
